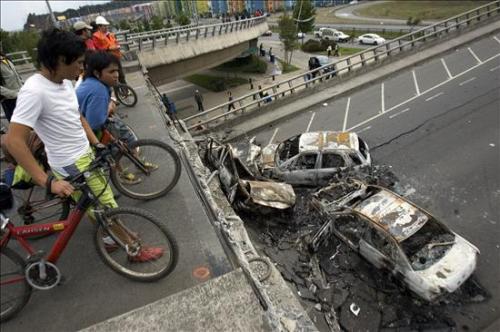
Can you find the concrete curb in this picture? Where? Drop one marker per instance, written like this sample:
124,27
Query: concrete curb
282,109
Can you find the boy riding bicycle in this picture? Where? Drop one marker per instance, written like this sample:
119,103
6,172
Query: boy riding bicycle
47,104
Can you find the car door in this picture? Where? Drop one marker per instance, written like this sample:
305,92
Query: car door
350,228
375,247
301,170
331,163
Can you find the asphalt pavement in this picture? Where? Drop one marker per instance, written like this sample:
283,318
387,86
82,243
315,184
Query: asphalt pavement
438,125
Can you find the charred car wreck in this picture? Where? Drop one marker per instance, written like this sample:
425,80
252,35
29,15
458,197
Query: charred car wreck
394,234
243,189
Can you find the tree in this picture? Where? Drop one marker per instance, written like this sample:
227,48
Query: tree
288,36
124,25
304,12
412,22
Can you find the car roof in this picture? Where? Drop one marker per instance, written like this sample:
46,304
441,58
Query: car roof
393,213
328,140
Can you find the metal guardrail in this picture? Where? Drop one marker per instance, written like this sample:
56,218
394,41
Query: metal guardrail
177,35
20,58
220,113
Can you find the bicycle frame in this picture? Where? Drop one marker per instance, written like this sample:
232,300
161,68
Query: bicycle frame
65,228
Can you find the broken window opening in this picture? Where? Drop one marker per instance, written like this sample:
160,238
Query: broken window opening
306,161
332,160
289,148
351,227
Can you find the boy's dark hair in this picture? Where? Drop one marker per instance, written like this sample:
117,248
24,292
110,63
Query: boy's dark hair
55,43
98,61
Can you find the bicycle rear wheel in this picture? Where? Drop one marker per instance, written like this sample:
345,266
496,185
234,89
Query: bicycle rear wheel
126,95
151,252
149,170
15,290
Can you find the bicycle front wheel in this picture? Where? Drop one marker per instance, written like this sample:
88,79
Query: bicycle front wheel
14,288
149,169
126,95
150,251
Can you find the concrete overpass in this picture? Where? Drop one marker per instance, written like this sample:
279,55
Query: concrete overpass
175,53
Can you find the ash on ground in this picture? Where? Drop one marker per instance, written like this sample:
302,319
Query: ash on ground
336,283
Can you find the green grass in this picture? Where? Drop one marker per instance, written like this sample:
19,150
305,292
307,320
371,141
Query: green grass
250,64
287,68
215,83
425,10
387,34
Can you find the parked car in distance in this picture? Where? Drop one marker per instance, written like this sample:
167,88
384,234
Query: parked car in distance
340,37
301,35
325,33
394,234
371,39
267,33
313,158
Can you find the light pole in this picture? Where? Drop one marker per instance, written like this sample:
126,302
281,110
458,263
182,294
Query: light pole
52,17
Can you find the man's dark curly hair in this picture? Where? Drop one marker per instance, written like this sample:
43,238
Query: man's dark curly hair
55,43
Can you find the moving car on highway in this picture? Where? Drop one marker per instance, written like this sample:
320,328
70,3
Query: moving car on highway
394,234
313,158
371,39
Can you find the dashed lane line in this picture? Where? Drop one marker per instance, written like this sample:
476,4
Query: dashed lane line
424,92
364,129
467,81
310,122
446,68
435,96
274,135
399,113
494,68
474,55
496,38
346,113
382,106
415,81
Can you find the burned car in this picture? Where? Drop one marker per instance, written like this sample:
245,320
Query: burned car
243,189
392,233
313,158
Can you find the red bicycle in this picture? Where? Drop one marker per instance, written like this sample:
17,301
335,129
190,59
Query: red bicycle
131,241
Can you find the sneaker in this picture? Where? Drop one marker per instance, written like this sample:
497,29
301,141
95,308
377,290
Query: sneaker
109,244
129,178
150,166
147,254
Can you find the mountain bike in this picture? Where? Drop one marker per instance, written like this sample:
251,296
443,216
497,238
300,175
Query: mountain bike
154,165
125,94
130,241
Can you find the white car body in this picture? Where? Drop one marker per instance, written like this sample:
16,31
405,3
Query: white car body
324,32
340,37
371,39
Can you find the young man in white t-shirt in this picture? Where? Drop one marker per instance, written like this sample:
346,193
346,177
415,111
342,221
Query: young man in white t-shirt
47,104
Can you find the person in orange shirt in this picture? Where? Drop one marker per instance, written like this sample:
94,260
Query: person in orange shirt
106,41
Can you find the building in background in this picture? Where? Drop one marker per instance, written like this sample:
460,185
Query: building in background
235,6
219,7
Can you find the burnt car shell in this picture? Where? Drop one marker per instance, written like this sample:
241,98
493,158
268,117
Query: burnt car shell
244,189
332,151
395,234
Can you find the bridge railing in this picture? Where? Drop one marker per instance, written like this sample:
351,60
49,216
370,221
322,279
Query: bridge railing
164,37
219,114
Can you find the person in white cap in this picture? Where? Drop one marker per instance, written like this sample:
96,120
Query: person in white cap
84,30
106,41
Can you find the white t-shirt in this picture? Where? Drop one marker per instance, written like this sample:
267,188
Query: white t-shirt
51,109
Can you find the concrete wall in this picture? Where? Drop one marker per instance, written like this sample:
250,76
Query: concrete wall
173,61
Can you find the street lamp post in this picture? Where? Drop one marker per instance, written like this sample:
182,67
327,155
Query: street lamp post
52,17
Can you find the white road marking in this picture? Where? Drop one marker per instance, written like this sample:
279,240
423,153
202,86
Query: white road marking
364,129
467,81
139,87
346,112
274,135
382,106
494,68
399,113
474,55
415,81
435,96
310,122
424,92
446,68
498,40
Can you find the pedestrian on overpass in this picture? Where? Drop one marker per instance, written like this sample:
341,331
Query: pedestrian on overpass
261,48
10,83
170,106
329,50
230,99
199,100
337,50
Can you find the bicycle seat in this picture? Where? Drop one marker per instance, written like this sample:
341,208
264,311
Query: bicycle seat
6,198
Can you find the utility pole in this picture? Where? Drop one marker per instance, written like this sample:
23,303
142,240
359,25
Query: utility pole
52,17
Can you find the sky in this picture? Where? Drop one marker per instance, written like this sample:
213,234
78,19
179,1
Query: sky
14,13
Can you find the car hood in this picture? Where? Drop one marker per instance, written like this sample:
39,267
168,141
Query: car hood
454,268
272,194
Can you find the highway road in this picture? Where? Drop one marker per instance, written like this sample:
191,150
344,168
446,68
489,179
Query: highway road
438,126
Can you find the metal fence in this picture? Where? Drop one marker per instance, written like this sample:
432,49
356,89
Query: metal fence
161,38
220,113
